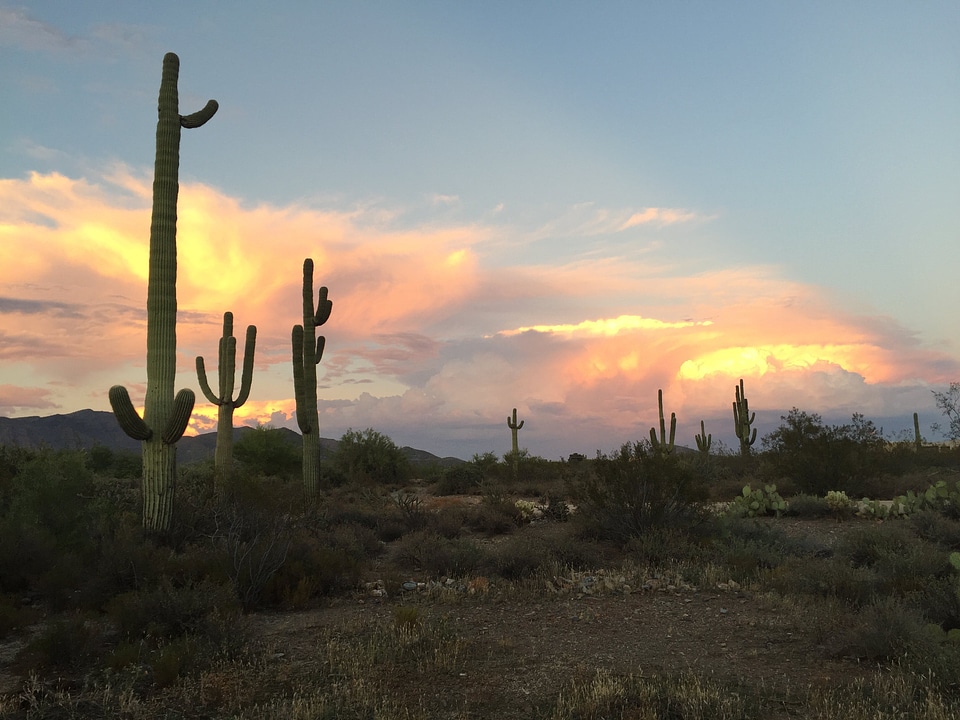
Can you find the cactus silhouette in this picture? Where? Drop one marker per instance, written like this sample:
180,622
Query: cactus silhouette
514,427
742,420
226,370
662,444
704,441
165,416
307,351
917,437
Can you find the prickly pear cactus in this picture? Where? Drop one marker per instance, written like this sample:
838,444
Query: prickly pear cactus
165,415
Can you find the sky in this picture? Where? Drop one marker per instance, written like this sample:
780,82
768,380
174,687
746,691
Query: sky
554,206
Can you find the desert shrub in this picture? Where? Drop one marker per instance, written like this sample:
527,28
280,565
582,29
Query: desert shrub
807,506
662,546
459,480
439,556
577,553
67,643
868,545
496,515
819,458
371,457
521,556
312,569
267,451
934,527
114,463
168,611
828,578
448,522
633,490
14,615
886,630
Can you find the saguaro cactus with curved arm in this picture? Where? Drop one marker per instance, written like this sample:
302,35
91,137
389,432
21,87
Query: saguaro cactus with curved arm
742,420
514,427
227,369
165,416
662,444
307,352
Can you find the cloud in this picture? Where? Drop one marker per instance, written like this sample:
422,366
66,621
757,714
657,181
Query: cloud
16,400
19,29
434,336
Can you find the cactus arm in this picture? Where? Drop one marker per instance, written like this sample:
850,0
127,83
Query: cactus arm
131,423
200,117
673,429
246,377
204,385
180,418
299,380
321,344
324,306
704,441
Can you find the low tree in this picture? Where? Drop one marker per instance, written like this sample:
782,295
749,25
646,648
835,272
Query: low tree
365,456
948,403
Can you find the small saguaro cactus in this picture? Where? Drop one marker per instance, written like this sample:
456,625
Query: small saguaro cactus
165,416
307,352
742,420
514,427
662,444
704,441
226,370
917,438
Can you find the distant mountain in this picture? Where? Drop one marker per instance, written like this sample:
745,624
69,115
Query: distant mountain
83,429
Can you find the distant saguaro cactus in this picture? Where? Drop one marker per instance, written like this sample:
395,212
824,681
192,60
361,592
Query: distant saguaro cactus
226,370
307,352
662,444
704,441
514,427
742,420
917,437
165,416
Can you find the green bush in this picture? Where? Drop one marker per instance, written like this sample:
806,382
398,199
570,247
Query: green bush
371,457
459,480
819,458
269,451
633,490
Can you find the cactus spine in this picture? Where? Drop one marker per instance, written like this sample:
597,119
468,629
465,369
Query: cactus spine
742,420
662,444
704,441
226,369
307,351
165,416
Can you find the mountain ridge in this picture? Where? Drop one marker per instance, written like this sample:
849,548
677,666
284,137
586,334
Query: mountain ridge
84,429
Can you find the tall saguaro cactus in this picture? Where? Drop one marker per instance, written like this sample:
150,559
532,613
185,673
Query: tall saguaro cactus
742,420
307,351
226,370
662,444
514,427
165,416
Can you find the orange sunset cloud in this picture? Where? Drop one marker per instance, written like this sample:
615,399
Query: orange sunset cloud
425,331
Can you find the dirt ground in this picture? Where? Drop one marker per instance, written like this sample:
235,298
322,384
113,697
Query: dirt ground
523,651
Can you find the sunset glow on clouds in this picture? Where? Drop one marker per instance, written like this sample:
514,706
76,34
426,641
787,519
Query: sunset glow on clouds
413,339
560,211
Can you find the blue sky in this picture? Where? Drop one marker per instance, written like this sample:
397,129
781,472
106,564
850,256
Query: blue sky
783,177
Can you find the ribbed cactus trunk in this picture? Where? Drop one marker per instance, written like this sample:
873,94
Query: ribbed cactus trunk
226,369
165,415
307,352
742,420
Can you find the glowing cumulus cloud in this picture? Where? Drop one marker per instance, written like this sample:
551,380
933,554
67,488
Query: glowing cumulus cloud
763,359
608,327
